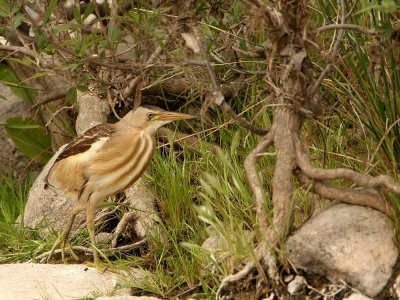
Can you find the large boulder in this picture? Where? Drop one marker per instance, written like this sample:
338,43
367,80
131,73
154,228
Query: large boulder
349,243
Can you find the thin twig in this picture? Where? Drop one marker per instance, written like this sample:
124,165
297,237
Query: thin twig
112,105
56,113
243,122
87,250
134,82
345,26
18,50
219,99
333,51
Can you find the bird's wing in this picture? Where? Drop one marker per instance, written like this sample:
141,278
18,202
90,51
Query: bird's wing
68,171
84,142
122,159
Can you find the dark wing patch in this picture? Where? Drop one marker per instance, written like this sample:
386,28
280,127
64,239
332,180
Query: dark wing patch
84,142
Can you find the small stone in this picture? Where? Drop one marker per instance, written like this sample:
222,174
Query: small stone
103,237
288,278
396,287
297,285
127,298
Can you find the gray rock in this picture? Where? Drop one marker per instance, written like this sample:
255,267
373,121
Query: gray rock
92,111
288,278
297,285
347,243
47,208
41,281
214,244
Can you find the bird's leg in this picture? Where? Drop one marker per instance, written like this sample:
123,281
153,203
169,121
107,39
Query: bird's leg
62,238
90,226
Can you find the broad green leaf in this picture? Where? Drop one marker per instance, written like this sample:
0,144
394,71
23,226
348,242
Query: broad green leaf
71,95
385,6
82,88
114,34
23,61
49,11
30,138
18,18
89,9
77,14
19,126
9,78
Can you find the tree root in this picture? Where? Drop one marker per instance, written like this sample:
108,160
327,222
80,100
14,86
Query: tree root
366,197
362,180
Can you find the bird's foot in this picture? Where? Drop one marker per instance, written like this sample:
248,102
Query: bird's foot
71,250
60,240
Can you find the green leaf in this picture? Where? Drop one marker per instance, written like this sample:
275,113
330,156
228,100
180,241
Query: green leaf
82,88
19,126
30,138
23,61
18,18
9,78
114,34
2,97
41,40
77,14
385,6
89,9
49,11
4,9
71,95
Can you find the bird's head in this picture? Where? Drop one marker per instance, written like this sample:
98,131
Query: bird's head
151,118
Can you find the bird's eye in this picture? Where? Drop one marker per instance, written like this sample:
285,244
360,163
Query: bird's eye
150,115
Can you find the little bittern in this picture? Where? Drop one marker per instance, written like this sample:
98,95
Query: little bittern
106,159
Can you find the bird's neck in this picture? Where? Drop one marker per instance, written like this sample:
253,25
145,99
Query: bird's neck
127,128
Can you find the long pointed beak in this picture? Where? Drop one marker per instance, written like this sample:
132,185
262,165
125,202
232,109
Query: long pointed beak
171,116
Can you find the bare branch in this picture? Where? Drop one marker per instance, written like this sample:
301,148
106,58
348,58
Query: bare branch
49,97
135,81
321,77
191,140
243,122
333,51
362,180
18,51
219,99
